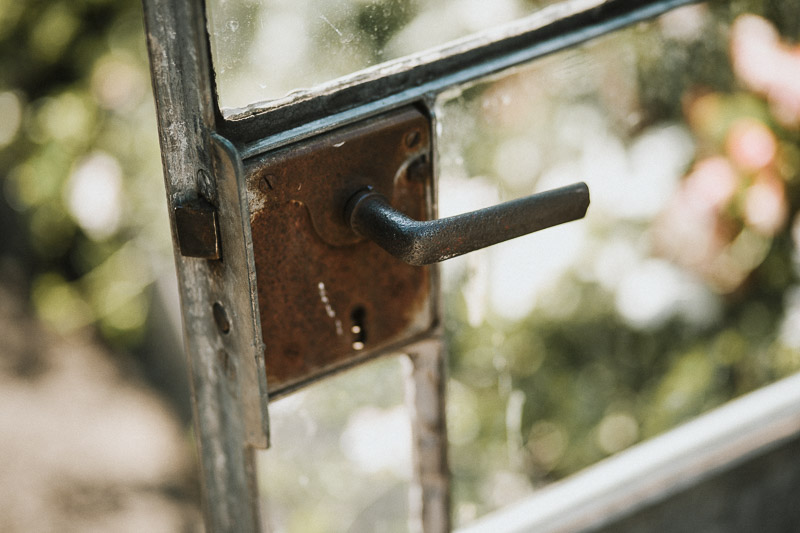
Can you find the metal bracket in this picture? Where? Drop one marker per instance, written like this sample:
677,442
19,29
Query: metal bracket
234,311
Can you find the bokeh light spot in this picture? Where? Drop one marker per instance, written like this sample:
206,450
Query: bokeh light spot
94,195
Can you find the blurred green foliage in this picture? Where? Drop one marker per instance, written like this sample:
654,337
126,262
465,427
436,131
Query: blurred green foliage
80,161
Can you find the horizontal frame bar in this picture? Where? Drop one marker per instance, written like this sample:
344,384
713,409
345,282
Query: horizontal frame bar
263,127
655,470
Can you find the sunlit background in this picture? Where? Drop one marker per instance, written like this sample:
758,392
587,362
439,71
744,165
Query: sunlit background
678,292
94,402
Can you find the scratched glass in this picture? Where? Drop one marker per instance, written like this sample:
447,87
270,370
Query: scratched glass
341,454
676,293
266,49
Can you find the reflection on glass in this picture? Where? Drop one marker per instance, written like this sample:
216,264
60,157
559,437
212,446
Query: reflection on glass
679,290
341,455
265,49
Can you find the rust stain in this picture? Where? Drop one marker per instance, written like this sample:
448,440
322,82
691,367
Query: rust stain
329,299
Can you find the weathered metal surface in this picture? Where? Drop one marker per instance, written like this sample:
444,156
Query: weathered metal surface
197,229
228,390
422,243
328,298
426,396
235,309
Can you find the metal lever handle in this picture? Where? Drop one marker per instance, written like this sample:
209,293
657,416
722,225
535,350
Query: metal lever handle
422,243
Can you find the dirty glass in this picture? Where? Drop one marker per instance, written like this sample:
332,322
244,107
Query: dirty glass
679,290
341,454
265,49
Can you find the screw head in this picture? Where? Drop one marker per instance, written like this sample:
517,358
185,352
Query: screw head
265,183
204,177
412,138
221,318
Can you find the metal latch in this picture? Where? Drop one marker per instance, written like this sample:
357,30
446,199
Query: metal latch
197,228
323,214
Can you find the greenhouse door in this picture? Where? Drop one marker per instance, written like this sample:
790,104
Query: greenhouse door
303,185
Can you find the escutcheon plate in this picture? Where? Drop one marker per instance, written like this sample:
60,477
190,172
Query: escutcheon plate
329,299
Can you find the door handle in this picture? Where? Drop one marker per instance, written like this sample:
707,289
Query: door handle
370,215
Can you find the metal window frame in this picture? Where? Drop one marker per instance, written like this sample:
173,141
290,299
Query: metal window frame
203,155
265,126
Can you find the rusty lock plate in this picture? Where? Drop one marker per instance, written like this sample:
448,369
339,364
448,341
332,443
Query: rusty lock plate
328,298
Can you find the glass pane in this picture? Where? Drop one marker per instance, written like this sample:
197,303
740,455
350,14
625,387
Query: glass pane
265,49
341,455
678,292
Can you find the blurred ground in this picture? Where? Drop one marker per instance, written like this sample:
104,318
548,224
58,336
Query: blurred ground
86,445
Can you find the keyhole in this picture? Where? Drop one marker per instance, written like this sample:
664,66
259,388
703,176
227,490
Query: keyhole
357,329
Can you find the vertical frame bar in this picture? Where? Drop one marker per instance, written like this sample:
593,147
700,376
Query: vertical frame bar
222,329
430,494
429,501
